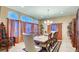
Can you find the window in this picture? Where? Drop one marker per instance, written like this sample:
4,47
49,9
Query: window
28,28
16,33
35,28
54,27
23,18
26,19
12,15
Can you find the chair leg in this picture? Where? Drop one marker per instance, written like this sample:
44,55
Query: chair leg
0,45
48,49
14,43
7,47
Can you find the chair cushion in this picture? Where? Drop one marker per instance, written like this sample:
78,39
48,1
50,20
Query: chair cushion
37,48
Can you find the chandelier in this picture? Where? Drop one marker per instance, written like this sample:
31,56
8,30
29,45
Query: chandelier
48,22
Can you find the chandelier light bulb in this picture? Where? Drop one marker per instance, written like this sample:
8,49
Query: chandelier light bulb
51,22
45,22
48,22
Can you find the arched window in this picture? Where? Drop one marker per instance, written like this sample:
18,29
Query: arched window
12,15
23,18
26,19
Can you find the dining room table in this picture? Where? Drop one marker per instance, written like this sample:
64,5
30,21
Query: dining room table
41,38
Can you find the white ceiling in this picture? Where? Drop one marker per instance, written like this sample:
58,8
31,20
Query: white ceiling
42,11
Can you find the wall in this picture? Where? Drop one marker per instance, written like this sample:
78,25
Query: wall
3,12
0,10
4,21
65,21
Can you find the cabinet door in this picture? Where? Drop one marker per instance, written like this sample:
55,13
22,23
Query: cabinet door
77,30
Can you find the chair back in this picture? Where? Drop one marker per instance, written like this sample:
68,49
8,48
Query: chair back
29,43
48,45
55,35
50,36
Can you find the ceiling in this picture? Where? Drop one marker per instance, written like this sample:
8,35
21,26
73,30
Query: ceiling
44,12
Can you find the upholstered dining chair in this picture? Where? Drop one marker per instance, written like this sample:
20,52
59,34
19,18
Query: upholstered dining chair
55,35
30,44
50,36
48,45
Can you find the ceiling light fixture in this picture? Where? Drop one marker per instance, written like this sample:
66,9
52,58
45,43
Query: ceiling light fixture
47,22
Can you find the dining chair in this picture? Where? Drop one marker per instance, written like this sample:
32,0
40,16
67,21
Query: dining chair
30,44
55,35
48,45
50,36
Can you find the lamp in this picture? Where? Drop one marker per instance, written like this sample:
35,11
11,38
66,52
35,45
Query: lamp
48,22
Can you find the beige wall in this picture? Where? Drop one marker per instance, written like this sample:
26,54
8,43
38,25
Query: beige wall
65,22
4,12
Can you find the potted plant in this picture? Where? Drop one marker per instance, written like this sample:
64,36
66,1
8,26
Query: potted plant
41,29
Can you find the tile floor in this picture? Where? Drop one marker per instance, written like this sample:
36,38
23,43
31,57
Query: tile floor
66,46
17,48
